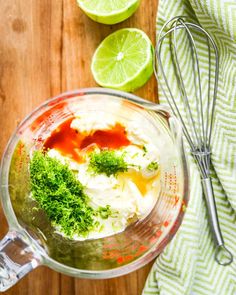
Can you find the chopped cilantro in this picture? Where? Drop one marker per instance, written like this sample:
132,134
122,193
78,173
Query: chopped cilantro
144,149
153,166
105,212
60,195
134,155
107,162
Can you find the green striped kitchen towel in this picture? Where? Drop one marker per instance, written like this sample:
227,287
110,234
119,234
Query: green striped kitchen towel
187,265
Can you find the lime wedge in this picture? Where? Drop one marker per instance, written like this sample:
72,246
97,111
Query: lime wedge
109,11
124,60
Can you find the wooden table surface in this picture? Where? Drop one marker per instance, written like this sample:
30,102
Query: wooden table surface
45,49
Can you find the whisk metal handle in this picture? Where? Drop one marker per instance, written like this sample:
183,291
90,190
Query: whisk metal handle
222,255
212,211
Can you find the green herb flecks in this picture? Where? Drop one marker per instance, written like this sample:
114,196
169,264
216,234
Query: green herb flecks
60,195
153,166
144,150
107,162
104,212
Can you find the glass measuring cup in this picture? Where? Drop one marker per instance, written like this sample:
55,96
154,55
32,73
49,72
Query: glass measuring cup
31,240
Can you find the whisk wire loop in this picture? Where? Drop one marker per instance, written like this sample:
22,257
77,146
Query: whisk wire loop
174,108
198,141
199,138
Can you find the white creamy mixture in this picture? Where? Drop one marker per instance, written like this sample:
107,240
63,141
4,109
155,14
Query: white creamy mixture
131,195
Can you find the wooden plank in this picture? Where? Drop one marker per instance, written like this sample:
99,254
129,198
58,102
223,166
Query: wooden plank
46,48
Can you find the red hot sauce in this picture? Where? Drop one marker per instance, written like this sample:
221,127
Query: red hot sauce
70,142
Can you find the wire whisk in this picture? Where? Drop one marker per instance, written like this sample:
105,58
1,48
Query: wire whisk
197,83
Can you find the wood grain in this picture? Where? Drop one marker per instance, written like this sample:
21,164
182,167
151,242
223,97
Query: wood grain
45,49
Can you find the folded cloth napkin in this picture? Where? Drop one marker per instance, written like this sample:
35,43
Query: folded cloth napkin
187,265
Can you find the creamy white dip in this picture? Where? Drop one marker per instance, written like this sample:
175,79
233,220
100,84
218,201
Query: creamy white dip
130,195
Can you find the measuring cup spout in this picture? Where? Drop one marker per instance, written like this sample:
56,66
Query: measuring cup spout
16,260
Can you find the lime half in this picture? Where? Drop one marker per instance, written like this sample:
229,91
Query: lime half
108,11
124,60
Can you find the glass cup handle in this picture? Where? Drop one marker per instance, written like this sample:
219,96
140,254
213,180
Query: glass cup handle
17,258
